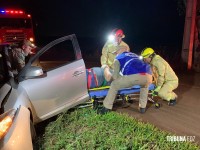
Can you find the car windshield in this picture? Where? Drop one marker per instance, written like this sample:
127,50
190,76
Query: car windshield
6,23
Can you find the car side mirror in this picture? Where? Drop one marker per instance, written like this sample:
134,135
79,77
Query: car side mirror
33,72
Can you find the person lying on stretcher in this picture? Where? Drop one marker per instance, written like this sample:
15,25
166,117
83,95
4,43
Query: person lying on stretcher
129,70
96,78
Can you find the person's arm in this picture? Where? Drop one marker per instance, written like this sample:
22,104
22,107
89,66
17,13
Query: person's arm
104,57
128,48
116,69
20,59
121,49
161,73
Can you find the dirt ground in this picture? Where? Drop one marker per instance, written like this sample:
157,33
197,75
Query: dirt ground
182,119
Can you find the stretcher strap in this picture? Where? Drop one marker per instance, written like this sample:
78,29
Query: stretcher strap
99,88
92,80
88,79
95,77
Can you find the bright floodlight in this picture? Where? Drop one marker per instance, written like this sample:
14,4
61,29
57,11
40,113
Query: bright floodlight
111,37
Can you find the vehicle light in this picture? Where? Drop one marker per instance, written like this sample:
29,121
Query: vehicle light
31,39
21,12
33,45
6,120
29,15
11,11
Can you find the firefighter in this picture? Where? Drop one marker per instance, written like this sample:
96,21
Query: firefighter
112,47
129,70
20,53
166,80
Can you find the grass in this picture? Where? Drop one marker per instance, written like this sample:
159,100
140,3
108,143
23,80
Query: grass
83,129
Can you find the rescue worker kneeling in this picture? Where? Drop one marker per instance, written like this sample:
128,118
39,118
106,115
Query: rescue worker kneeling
166,78
129,70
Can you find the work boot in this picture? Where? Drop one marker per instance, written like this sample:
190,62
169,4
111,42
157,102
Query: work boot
172,102
142,110
103,111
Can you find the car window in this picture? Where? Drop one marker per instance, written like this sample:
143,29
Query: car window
56,56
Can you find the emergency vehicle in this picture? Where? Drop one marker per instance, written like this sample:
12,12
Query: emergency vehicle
15,26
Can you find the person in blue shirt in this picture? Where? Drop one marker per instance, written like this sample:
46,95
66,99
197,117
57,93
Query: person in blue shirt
129,70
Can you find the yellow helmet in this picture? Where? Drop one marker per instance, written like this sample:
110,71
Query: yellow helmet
147,52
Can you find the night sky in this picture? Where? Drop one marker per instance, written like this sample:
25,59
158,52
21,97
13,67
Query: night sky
144,22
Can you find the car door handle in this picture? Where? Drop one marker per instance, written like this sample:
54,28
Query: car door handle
77,73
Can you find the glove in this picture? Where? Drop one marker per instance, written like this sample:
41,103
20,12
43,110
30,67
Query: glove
155,91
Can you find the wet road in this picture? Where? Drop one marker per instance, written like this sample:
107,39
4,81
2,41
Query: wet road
182,119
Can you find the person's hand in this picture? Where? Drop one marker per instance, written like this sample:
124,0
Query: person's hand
107,74
155,91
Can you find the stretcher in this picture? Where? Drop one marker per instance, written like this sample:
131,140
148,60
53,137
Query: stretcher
97,95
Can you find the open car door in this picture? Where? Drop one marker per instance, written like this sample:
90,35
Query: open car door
55,78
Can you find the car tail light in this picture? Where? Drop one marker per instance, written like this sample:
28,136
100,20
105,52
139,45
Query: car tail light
6,120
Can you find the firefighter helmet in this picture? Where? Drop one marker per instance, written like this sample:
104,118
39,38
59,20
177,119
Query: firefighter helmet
118,33
147,52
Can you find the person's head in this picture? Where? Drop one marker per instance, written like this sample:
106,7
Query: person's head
27,46
147,54
118,34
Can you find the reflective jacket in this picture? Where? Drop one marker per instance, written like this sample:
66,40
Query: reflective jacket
110,51
163,70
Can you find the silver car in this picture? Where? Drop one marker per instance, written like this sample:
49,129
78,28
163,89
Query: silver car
52,81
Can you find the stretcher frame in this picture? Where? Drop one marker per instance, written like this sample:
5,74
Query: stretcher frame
97,95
